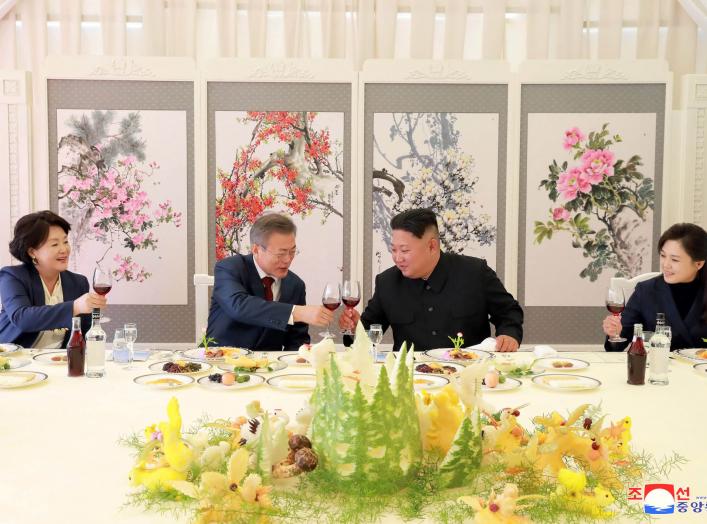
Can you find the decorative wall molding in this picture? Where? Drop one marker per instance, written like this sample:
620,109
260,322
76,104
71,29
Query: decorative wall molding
10,87
123,67
438,72
699,215
281,71
594,72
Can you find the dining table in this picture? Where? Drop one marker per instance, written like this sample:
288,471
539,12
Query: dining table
61,460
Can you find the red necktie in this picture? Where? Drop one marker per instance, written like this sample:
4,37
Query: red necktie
267,283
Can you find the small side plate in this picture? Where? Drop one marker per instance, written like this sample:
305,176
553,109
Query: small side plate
21,379
7,348
15,363
294,360
302,382
54,358
701,369
425,381
164,380
508,385
558,363
273,365
255,380
562,382
443,354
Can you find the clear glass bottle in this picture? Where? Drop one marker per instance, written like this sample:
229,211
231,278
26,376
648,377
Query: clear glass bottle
76,349
636,358
96,347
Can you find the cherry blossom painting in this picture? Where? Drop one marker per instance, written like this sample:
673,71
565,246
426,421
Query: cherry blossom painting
591,199
444,161
123,188
286,162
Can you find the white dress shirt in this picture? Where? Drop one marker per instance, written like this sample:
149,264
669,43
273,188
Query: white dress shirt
275,288
51,338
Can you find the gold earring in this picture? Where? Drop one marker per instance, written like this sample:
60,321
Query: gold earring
35,261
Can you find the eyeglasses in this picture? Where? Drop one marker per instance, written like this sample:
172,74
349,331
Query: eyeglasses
282,255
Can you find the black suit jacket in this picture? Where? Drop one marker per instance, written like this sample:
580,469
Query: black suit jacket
652,297
240,315
461,295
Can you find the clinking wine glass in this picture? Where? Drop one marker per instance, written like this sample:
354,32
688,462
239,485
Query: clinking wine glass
331,299
615,303
102,284
350,296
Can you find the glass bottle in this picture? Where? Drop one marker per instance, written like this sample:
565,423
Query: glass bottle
76,349
96,347
636,358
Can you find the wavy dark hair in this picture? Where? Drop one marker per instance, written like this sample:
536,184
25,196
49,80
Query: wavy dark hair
31,231
694,241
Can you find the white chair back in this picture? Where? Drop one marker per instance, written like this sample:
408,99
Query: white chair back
629,284
202,283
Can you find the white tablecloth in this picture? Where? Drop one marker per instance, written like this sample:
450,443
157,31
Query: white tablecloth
60,460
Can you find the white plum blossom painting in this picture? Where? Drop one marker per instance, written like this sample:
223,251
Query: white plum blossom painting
447,162
289,162
590,204
123,188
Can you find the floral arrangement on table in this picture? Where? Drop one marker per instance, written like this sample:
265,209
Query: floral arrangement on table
365,444
604,202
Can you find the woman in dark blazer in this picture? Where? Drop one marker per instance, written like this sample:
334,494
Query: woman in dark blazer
680,292
40,296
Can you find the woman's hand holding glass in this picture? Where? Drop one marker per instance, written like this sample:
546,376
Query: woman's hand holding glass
87,302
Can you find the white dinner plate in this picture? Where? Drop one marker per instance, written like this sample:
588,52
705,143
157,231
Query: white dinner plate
425,381
273,365
16,362
164,380
555,364
694,354
54,358
20,379
295,360
255,380
199,353
562,382
457,368
443,354
508,385
701,369
294,382
7,348
157,367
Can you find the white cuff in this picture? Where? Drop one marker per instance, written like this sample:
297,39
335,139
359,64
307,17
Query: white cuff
291,320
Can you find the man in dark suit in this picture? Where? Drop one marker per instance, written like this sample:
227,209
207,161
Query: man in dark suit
257,303
429,295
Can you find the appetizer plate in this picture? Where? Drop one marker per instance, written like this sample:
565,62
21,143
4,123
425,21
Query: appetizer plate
701,369
508,385
200,353
157,367
425,381
6,349
52,357
293,382
437,368
294,360
164,380
255,380
273,365
562,382
443,354
16,363
694,354
560,364
20,379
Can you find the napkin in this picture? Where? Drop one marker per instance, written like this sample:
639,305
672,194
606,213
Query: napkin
487,344
542,351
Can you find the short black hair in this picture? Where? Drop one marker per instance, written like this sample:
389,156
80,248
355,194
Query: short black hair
415,221
31,231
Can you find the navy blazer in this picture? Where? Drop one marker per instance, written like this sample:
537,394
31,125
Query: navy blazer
652,297
240,315
24,313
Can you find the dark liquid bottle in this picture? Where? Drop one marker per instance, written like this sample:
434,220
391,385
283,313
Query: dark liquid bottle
76,349
636,358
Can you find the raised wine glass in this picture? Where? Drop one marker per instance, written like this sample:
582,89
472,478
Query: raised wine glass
350,296
331,299
615,303
102,284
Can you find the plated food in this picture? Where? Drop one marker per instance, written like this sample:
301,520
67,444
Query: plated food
694,354
8,348
438,368
425,382
560,364
294,360
164,380
701,369
8,363
466,355
52,357
215,354
184,367
294,382
229,381
250,364
504,384
20,379
561,382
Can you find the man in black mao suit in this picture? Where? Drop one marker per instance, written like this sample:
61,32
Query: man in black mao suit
257,303
429,295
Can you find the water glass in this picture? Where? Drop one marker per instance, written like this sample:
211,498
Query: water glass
130,329
375,333
121,351
659,356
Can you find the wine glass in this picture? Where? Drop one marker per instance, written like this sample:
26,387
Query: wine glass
331,299
130,330
102,284
615,303
350,296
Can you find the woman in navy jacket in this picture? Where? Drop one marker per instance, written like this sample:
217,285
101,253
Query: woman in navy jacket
680,292
40,296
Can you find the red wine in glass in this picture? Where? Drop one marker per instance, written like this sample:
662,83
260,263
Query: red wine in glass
331,299
615,309
331,306
351,295
102,284
102,289
351,302
615,303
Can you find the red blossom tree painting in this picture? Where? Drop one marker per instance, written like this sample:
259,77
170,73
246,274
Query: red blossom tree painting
290,165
